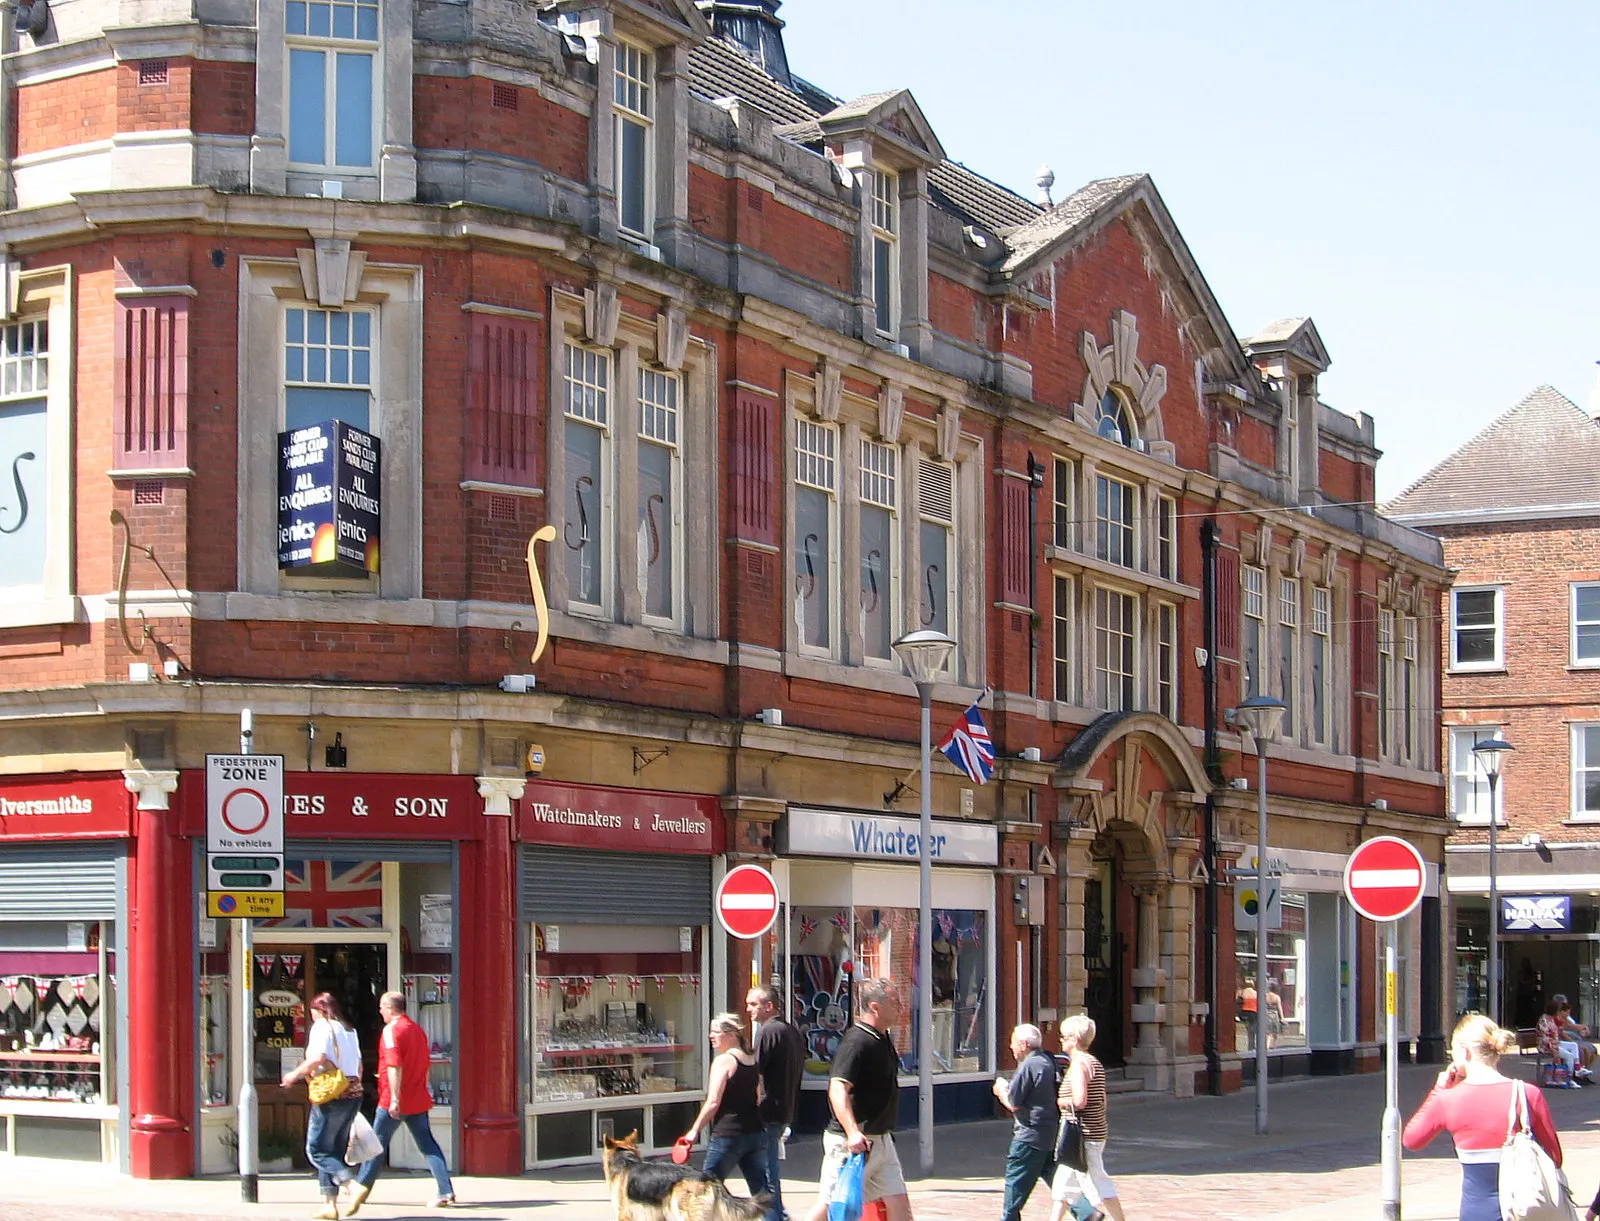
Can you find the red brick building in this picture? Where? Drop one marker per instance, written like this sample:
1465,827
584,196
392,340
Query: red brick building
317,330
1516,510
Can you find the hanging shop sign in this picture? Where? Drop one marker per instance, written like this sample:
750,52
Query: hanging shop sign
1536,913
328,496
620,820
65,808
377,805
883,837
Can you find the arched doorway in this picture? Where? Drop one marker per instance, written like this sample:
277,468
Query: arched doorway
1107,952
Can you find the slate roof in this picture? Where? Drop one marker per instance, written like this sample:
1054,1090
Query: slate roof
718,70
1049,226
1542,454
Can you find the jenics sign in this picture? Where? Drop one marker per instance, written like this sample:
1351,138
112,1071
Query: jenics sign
328,496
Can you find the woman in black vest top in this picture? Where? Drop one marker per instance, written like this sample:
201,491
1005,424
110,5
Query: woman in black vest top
738,1137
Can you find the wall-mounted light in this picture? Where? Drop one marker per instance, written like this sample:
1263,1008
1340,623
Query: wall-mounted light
336,755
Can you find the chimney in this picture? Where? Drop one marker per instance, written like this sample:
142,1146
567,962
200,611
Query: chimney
755,28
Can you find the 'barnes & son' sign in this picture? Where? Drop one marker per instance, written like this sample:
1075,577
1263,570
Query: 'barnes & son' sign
328,502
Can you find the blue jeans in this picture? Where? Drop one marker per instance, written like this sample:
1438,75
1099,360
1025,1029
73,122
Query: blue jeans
1024,1164
775,1170
327,1133
386,1125
747,1151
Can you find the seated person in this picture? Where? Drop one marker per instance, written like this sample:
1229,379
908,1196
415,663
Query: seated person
1576,1034
1551,1044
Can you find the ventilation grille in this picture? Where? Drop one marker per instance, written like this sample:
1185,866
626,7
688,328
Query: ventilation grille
936,491
506,97
153,72
502,508
149,492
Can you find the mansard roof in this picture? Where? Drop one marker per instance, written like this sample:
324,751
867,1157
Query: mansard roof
1538,459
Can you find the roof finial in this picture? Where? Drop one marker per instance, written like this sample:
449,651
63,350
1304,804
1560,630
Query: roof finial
1044,180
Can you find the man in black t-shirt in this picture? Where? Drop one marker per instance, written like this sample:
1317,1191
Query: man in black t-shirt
864,1096
781,1060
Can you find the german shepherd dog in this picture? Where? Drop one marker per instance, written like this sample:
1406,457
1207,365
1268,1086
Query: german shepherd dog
661,1191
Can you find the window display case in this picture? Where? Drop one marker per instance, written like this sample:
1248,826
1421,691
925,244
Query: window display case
618,1031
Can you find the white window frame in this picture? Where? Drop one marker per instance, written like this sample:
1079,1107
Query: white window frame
881,471
816,458
1289,653
1582,765
1252,611
1116,534
1105,636
1064,496
330,48
1471,774
1064,638
661,426
634,97
885,236
1321,630
1498,628
1167,660
1291,428
1409,740
589,402
45,296
1167,538
927,515
1576,661
1386,684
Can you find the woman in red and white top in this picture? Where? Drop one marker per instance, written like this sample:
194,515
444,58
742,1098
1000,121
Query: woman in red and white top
1472,1101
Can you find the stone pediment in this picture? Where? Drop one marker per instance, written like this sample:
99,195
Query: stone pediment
1296,338
892,121
679,16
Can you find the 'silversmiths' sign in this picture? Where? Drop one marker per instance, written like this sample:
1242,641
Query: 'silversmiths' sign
244,835
328,496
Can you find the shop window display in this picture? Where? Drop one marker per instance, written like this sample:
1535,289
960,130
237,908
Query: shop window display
1285,998
56,1014
617,1012
216,957
427,938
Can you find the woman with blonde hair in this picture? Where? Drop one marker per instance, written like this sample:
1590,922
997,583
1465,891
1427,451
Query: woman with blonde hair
1083,1097
738,1135
1472,1100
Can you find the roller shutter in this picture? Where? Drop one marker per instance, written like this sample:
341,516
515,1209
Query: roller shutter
576,887
58,881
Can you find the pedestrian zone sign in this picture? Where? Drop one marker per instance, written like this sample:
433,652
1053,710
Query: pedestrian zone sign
244,836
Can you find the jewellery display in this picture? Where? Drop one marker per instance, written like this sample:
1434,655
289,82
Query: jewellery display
50,1038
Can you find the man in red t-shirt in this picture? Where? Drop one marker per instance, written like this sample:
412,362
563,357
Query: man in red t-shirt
403,1098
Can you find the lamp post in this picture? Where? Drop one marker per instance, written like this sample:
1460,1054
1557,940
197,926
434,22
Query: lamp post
1261,715
925,655
1491,757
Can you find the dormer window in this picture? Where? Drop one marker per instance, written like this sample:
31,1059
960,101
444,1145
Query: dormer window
634,119
886,251
1113,420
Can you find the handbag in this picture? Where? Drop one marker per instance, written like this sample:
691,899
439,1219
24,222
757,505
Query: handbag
363,1144
1069,1145
1532,1187
845,1204
327,1086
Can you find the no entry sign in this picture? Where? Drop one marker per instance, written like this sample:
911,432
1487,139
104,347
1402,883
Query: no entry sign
1384,878
747,901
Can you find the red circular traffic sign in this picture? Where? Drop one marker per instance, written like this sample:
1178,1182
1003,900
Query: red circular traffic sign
1384,878
747,901
245,811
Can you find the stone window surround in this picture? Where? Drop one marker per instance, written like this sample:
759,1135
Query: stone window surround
597,321
1400,605
394,179
862,158
673,235
884,419
267,286
47,293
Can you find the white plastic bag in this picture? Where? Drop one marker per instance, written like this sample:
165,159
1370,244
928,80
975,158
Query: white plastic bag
1532,1187
363,1144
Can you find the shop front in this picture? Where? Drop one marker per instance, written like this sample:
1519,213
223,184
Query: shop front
64,899
852,884
614,892
372,876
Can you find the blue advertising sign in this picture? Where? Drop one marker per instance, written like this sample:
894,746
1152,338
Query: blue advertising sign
1536,913
328,502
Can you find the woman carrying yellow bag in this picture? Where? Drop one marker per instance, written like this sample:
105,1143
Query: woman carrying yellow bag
333,1067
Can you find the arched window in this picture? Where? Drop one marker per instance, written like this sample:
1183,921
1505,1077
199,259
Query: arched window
1114,421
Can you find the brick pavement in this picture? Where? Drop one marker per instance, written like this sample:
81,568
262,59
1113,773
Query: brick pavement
1195,1160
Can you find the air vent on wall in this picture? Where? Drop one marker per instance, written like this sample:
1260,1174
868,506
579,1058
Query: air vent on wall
506,97
936,491
153,72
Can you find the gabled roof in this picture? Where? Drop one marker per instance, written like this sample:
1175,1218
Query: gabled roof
1295,337
1540,457
1053,224
683,13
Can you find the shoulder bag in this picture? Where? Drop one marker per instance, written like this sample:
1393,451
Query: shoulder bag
1532,1187
330,1084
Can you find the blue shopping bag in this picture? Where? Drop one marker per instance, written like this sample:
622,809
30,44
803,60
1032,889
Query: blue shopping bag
846,1202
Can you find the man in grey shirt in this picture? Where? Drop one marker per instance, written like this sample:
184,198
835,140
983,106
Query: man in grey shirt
1030,1096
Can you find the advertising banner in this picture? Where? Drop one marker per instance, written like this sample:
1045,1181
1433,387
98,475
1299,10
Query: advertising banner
328,496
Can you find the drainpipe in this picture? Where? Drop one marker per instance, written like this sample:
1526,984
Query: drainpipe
1209,537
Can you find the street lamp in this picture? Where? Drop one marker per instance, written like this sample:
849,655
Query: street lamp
1491,757
925,655
1261,715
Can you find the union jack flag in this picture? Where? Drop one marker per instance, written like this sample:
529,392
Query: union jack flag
331,894
969,746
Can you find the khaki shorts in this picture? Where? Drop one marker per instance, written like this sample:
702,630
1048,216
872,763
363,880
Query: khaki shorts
883,1179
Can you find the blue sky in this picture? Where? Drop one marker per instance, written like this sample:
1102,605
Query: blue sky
1420,178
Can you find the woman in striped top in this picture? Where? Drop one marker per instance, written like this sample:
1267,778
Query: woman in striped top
1083,1094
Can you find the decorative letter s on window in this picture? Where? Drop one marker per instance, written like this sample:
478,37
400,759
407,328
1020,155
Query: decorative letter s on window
22,493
